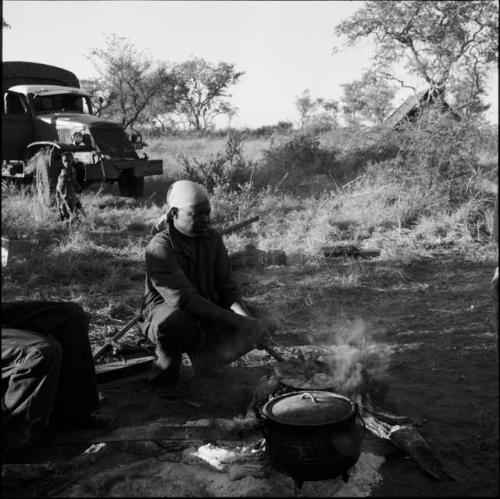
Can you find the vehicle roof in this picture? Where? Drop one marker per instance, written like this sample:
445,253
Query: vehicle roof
47,90
34,73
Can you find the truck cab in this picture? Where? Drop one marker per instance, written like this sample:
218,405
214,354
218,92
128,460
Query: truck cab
46,113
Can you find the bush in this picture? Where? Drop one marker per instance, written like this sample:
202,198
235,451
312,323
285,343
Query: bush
294,160
440,152
228,171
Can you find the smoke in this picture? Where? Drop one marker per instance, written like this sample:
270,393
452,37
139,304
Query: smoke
358,364
346,360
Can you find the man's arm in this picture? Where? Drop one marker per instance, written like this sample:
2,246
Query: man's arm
172,284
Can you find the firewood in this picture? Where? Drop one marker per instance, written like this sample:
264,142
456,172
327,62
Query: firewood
407,438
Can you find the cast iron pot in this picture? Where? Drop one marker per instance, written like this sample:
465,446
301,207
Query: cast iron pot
311,435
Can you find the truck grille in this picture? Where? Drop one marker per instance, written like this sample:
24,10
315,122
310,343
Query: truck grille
112,140
64,135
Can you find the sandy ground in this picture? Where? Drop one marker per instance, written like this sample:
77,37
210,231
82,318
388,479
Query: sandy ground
431,318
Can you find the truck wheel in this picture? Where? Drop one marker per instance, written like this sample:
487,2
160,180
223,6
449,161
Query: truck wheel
46,173
130,186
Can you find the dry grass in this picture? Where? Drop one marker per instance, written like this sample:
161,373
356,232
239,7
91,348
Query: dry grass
172,148
98,262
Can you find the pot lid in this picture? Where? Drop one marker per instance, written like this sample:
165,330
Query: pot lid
309,408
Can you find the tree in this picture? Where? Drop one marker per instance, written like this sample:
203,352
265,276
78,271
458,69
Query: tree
369,98
318,111
305,106
443,42
201,88
468,97
129,81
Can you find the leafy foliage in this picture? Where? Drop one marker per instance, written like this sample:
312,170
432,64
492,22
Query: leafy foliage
129,81
226,171
370,98
447,43
294,159
316,113
200,91
438,151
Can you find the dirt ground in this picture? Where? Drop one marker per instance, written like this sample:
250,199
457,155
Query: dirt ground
431,317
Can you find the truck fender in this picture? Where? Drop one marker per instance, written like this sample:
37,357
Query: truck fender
34,147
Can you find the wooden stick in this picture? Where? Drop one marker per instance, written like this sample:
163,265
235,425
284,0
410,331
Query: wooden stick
239,225
407,438
115,337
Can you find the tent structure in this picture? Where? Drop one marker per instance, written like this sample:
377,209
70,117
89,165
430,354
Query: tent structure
411,107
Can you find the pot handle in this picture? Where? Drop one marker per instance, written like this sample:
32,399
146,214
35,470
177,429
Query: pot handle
358,415
309,395
261,423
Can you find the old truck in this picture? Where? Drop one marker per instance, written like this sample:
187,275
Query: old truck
46,113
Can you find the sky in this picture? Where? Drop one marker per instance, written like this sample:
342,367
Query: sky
283,47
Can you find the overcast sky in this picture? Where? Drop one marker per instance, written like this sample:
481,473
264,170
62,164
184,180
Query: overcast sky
283,47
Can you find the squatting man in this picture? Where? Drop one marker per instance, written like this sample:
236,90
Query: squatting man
191,303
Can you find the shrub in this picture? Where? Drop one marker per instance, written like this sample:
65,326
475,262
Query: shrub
438,151
227,171
295,159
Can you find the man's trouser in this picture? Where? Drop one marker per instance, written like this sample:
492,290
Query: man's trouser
68,207
209,345
64,328
30,370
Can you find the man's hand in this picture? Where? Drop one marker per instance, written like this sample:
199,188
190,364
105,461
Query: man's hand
254,328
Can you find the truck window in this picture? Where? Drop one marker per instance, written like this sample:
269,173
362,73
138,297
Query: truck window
12,104
43,104
61,103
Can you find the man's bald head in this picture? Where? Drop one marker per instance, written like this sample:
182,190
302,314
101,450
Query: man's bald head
189,207
184,193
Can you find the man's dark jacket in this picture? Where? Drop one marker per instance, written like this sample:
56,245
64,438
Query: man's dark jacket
178,266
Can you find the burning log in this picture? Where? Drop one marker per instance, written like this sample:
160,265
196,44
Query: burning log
407,438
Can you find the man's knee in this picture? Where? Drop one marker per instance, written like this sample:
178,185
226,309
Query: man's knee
48,353
178,322
74,312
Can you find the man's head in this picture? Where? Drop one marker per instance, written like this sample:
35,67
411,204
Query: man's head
189,207
67,160
47,103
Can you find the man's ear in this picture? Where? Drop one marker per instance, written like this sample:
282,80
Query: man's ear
174,212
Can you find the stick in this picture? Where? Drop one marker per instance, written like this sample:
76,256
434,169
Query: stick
273,353
407,438
115,337
239,225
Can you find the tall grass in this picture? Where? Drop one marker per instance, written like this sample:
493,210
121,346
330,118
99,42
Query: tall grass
380,190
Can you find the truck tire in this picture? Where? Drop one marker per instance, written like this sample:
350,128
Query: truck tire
130,186
46,172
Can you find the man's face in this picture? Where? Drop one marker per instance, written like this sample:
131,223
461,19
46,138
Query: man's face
193,220
67,162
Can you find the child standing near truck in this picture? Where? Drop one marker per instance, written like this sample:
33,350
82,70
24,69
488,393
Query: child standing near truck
68,203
